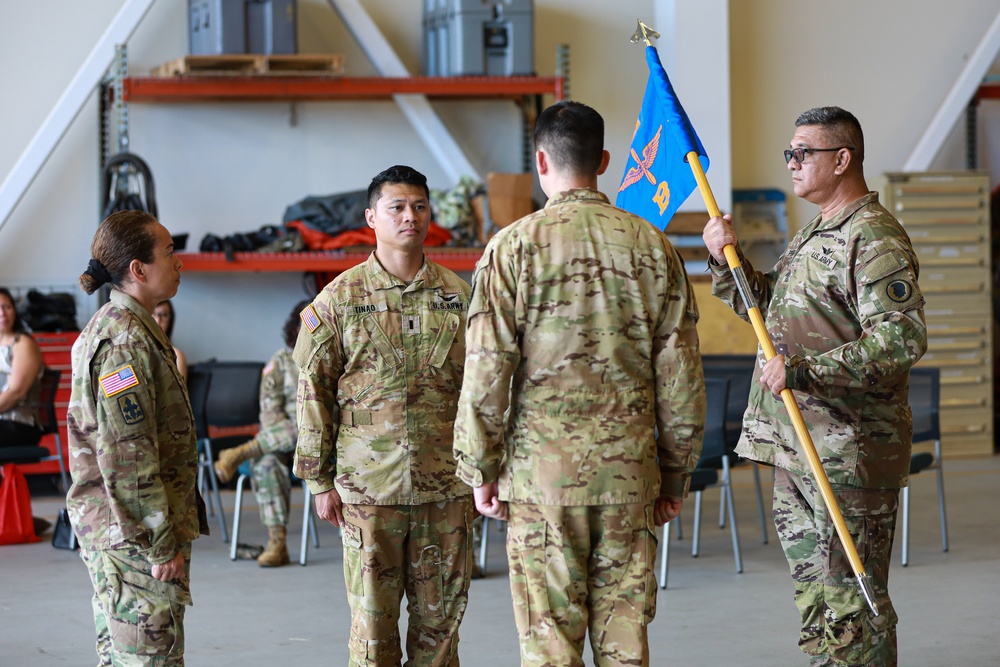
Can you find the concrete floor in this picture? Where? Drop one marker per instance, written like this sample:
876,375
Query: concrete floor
710,616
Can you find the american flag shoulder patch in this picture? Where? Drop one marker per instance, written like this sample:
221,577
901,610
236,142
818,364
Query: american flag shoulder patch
118,381
310,318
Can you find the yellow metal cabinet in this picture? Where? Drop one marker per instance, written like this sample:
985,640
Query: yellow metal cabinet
947,215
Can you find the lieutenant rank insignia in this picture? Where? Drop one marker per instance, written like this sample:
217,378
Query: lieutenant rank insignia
119,381
309,318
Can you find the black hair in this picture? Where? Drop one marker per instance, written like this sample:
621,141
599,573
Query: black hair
393,176
18,323
122,237
290,331
573,136
842,127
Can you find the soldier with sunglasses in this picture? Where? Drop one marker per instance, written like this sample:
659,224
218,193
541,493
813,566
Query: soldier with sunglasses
845,314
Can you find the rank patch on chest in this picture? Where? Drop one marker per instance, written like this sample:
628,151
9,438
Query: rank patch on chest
411,324
118,381
131,410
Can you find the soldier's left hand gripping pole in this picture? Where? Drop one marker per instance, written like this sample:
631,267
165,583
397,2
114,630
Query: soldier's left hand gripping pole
764,338
644,33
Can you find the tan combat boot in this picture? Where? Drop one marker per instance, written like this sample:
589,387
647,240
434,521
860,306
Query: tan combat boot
230,459
276,552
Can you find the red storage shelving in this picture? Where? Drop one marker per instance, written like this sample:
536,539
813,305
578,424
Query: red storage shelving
56,353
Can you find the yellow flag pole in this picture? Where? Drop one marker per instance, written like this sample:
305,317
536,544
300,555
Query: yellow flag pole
764,338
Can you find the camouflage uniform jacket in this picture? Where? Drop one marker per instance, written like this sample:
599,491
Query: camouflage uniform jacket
582,366
380,370
278,387
132,446
843,305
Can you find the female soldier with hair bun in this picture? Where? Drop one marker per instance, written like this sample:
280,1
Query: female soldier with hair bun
133,501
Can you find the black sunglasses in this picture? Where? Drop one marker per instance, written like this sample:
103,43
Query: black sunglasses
799,154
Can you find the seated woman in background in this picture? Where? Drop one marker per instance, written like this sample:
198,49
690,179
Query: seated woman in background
164,316
21,371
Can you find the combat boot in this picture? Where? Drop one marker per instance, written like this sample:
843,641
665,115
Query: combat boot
230,459
276,552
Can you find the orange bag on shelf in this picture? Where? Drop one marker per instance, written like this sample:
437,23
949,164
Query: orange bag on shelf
16,523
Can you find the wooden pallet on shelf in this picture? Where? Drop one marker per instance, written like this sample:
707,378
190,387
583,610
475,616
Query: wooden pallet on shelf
298,64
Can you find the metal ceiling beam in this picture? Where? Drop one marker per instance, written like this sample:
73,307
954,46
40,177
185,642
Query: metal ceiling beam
957,100
416,108
66,109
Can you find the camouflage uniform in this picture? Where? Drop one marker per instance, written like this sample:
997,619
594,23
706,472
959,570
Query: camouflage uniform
278,432
583,370
843,305
133,502
380,371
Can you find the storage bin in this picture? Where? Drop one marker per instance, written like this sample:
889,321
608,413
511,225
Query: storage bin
478,37
218,27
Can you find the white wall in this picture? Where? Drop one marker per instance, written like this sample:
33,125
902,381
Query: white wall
891,63
225,168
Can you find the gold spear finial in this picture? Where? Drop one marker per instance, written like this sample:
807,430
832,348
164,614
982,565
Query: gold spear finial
643,33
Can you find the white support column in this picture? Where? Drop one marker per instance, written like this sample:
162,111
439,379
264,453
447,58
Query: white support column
956,101
416,108
694,49
66,109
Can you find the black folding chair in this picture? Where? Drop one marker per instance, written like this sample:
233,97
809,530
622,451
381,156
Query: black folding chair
706,475
49,425
199,383
738,369
925,399
233,400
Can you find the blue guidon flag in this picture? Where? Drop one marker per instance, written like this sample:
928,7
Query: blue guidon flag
657,177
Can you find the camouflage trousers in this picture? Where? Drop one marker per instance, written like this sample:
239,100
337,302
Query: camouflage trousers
272,487
422,550
837,626
580,569
139,619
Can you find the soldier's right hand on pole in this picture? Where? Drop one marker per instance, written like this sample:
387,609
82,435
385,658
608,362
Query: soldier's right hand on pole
719,233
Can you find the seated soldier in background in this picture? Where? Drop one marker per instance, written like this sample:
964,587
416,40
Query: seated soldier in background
271,449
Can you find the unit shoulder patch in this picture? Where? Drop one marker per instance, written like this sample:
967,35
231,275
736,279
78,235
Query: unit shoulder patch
899,291
130,408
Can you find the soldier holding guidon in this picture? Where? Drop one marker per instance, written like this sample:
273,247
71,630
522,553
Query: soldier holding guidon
844,311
